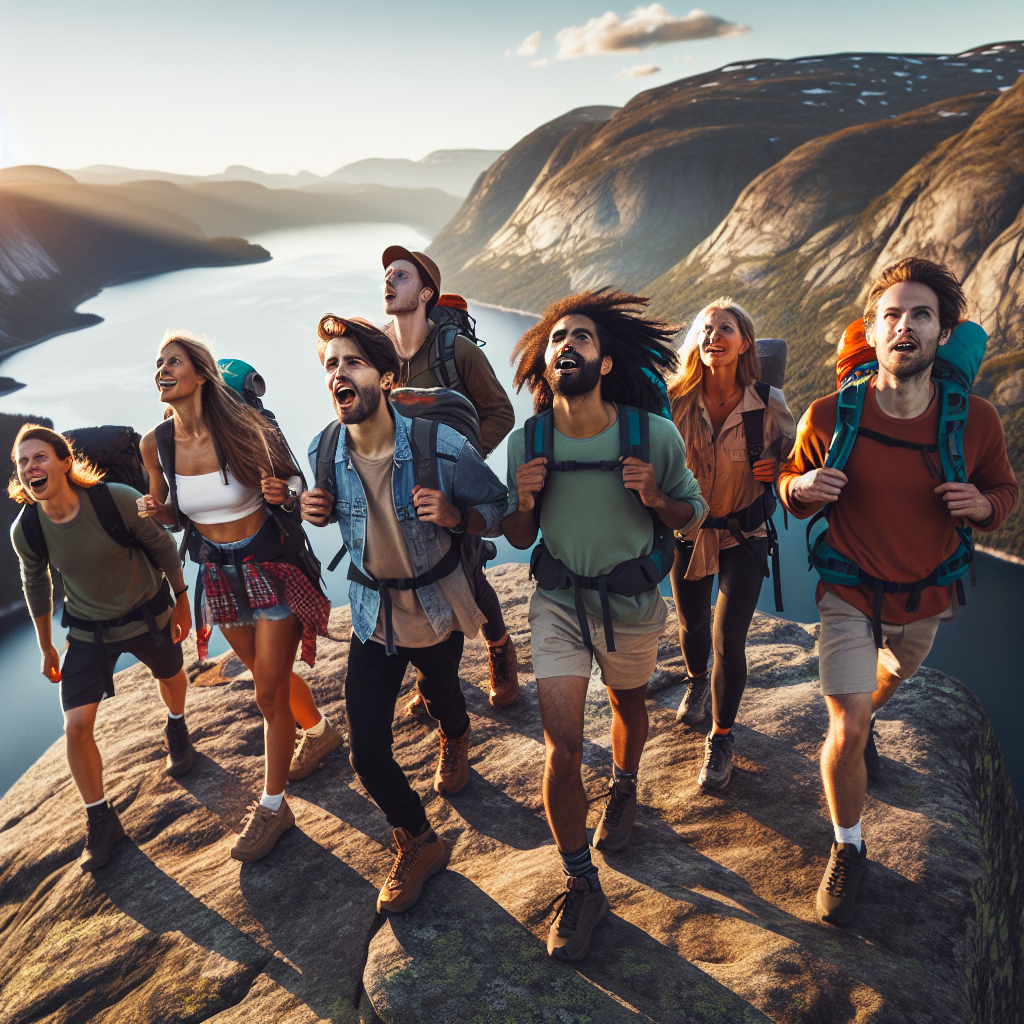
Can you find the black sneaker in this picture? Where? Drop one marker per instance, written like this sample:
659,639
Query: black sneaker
693,708
616,824
103,831
717,768
836,902
871,759
581,909
181,755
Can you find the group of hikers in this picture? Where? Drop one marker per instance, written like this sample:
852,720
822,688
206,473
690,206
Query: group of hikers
640,462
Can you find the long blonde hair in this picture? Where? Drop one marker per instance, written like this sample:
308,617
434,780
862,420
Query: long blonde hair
82,473
250,445
684,387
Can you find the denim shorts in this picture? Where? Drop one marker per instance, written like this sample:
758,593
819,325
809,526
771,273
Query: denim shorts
247,615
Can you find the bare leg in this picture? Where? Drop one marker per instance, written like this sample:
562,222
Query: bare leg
887,686
83,755
842,757
629,726
172,692
562,700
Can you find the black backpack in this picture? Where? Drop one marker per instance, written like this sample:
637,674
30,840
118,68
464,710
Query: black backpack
452,319
114,449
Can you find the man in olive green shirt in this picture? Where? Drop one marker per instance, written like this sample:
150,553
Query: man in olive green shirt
593,364
116,601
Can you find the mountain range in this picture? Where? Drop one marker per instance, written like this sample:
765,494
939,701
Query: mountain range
785,184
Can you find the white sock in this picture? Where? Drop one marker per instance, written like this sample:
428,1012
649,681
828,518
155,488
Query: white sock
848,835
96,803
273,802
169,715
318,730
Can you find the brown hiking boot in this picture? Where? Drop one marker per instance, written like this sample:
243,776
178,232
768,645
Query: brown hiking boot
181,755
616,824
261,831
311,751
836,901
504,674
582,908
453,762
418,859
103,831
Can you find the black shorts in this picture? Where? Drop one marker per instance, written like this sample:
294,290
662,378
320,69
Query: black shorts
83,680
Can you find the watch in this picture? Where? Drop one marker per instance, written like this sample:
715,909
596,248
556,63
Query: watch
289,502
463,523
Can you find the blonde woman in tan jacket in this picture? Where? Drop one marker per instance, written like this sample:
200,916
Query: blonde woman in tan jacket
717,400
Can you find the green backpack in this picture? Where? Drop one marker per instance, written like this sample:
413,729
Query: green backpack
953,372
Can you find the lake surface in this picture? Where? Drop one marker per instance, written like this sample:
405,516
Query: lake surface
267,314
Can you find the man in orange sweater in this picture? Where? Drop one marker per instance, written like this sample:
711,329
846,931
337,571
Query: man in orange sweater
896,521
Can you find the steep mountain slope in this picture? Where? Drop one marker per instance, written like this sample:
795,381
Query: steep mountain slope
805,274
656,179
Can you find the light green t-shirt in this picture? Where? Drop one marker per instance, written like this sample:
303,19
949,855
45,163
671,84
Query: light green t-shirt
591,522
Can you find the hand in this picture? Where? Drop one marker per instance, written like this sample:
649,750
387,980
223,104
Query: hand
181,619
765,470
965,501
274,490
639,476
149,508
433,507
530,478
818,485
51,664
316,506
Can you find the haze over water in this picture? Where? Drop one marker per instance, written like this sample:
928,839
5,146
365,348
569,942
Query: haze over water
267,314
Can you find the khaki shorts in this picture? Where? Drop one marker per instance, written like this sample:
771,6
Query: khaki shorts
847,656
558,648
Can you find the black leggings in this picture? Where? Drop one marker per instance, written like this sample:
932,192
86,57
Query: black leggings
371,690
739,585
487,601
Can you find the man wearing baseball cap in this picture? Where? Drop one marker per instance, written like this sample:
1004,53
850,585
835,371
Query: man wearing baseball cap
412,286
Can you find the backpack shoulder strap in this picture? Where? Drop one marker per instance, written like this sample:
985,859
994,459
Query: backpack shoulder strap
442,357
753,424
32,528
164,435
326,453
634,433
953,408
539,435
848,412
423,440
109,515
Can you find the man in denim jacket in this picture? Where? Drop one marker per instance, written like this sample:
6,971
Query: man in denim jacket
410,598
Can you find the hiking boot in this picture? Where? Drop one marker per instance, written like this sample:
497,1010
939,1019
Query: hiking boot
693,708
717,768
871,759
262,829
504,674
181,755
836,902
311,751
417,706
453,763
582,908
418,859
102,832
616,824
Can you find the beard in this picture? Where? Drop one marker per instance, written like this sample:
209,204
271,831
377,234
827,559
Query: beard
366,404
586,378
400,305
904,369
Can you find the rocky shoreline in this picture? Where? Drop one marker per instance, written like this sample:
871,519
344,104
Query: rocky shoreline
712,902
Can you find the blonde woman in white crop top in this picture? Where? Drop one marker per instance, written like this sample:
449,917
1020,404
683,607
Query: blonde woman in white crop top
228,509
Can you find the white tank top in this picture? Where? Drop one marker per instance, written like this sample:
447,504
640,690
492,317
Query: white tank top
206,499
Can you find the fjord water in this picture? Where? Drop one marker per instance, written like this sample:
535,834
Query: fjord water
267,314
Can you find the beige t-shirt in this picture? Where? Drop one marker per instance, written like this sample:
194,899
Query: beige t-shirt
385,555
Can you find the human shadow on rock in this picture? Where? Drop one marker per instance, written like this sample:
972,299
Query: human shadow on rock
218,790
493,813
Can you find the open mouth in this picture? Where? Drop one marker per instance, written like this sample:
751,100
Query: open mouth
567,361
904,346
389,294
38,484
166,383
344,395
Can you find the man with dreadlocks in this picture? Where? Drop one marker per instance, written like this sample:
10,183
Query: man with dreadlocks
603,476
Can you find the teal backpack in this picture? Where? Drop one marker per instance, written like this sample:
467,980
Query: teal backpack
953,372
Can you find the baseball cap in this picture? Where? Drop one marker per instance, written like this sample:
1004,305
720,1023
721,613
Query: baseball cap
429,273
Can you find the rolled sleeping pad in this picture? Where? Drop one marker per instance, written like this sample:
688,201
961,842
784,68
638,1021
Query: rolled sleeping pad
772,353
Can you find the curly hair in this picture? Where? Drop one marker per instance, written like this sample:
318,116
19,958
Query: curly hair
638,345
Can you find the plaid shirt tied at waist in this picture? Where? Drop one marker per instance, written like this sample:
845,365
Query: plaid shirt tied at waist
266,584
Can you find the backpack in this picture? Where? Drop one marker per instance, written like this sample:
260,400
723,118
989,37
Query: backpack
452,317
114,449
629,578
953,372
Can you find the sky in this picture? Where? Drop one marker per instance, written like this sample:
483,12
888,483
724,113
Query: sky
194,86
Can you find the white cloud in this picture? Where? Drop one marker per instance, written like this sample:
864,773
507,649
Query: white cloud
527,48
645,27
541,63
639,71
